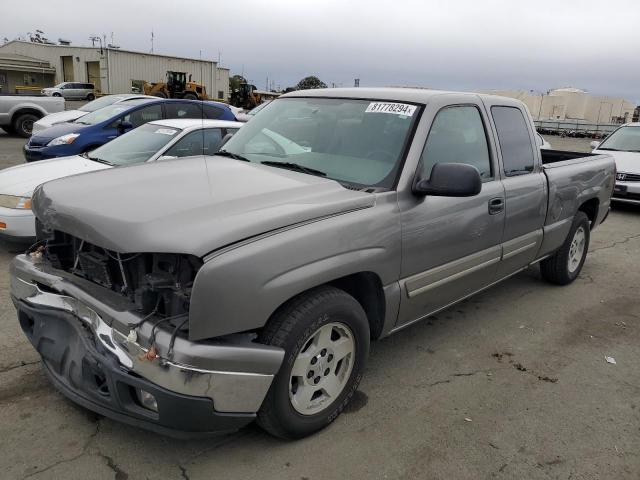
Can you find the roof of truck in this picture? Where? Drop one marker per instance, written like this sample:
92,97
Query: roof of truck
415,95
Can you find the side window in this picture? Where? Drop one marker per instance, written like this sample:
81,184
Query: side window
144,115
457,136
88,86
515,142
212,112
200,142
183,110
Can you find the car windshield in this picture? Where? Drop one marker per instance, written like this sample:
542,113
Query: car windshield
103,114
357,142
101,103
626,139
136,146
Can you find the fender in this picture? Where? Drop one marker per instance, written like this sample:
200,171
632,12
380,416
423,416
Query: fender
240,289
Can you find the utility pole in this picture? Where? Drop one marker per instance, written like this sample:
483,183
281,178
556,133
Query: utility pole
152,40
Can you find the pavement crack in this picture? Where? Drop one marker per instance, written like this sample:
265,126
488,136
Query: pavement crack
120,474
183,472
615,244
18,365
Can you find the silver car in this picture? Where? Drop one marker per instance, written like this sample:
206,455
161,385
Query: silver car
75,90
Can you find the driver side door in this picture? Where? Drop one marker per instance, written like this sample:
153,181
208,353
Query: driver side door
451,245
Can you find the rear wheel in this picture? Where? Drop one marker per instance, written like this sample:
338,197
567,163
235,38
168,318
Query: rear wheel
564,266
23,124
91,97
325,335
56,95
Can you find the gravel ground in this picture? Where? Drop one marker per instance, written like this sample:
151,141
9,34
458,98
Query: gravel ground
510,384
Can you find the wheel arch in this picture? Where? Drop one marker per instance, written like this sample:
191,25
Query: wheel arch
23,110
590,208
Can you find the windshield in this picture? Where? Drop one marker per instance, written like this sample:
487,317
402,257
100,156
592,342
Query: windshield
101,103
136,146
626,139
103,114
358,142
259,107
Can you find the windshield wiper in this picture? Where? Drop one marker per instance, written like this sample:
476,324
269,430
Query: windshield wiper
295,167
95,159
235,156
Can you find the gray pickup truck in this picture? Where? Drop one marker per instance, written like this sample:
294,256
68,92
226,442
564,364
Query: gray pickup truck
195,295
18,113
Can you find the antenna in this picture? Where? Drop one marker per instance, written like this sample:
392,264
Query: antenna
152,40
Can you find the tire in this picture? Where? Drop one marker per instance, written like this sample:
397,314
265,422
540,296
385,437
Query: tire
23,124
296,327
91,97
56,95
564,266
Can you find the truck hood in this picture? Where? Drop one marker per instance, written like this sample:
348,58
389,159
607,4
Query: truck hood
628,162
191,205
22,179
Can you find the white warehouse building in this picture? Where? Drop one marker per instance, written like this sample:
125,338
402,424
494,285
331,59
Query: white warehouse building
114,70
573,104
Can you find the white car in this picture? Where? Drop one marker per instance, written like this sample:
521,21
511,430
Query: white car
624,146
71,115
159,140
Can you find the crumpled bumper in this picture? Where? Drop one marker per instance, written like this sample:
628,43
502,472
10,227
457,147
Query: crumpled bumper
207,387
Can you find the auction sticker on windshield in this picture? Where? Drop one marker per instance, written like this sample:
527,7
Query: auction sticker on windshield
165,131
390,107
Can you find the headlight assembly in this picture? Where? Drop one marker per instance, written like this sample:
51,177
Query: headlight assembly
63,140
12,201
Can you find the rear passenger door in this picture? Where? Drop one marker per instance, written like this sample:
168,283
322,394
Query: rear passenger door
451,246
524,183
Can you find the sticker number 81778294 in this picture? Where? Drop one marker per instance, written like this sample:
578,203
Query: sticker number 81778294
390,107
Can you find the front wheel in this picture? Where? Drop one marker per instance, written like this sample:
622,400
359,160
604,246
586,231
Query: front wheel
564,266
91,97
325,335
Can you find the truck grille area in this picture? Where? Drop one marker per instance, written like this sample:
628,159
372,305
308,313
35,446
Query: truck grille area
157,283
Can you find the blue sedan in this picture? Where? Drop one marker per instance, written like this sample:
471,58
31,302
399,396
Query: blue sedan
97,128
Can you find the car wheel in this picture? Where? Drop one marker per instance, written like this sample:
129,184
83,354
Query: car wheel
23,125
91,97
56,95
564,266
325,335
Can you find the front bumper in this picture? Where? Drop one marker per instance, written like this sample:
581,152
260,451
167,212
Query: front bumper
205,388
33,154
626,192
20,224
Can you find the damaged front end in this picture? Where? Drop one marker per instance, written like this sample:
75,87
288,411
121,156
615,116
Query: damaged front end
112,331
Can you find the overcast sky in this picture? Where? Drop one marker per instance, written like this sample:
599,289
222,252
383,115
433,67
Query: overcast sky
455,44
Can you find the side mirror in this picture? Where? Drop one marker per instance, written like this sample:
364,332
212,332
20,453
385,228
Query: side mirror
450,180
124,126
594,145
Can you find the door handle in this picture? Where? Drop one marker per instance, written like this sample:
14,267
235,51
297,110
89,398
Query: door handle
496,205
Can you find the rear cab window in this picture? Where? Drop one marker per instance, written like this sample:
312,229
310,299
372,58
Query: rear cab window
514,139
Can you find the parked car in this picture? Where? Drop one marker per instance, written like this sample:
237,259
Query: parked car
72,90
159,140
18,113
99,127
196,295
71,115
624,146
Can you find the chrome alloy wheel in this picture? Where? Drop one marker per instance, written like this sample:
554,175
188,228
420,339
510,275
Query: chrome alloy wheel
576,250
322,368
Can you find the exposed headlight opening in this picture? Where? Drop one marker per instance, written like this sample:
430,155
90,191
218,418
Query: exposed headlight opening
16,202
67,139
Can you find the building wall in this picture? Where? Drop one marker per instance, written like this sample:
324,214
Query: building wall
573,104
118,68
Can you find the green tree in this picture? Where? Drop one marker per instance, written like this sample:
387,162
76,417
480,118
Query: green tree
310,82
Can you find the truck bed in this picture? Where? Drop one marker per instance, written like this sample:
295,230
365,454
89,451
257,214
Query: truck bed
553,156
